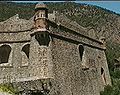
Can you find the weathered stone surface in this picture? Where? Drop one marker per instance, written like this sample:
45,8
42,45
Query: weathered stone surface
15,24
56,62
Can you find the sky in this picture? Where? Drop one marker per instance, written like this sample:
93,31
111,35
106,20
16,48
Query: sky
110,5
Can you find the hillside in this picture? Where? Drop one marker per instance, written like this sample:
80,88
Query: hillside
104,22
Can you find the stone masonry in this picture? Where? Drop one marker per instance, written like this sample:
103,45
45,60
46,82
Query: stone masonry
51,54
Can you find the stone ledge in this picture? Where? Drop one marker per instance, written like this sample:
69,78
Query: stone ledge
31,78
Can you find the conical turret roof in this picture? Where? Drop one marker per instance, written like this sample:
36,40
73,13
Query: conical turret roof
40,5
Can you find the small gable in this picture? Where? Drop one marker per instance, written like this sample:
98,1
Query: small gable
16,24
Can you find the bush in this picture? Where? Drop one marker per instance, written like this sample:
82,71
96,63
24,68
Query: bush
107,90
7,88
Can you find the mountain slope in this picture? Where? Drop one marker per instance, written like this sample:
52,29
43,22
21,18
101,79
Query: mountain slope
104,22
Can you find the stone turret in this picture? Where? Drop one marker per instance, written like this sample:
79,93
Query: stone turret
41,14
40,47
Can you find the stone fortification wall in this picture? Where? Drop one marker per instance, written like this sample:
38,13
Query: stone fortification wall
14,69
15,34
40,60
70,77
73,25
103,70
73,75
75,62
74,36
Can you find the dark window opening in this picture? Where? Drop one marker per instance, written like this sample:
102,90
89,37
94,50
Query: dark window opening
42,35
26,49
38,15
43,38
39,26
103,76
4,53
102,71
81,50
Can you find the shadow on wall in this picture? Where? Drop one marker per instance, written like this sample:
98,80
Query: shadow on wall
43,38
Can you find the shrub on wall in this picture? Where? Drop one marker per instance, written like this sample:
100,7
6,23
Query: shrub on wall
7,88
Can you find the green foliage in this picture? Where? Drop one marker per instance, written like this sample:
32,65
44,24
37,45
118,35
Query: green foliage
83,14
9,9
107,90
7,88
112,90
115,73
112,52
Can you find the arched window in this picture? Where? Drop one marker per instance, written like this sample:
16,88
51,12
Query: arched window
4,53
102,71
25,49
81,50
